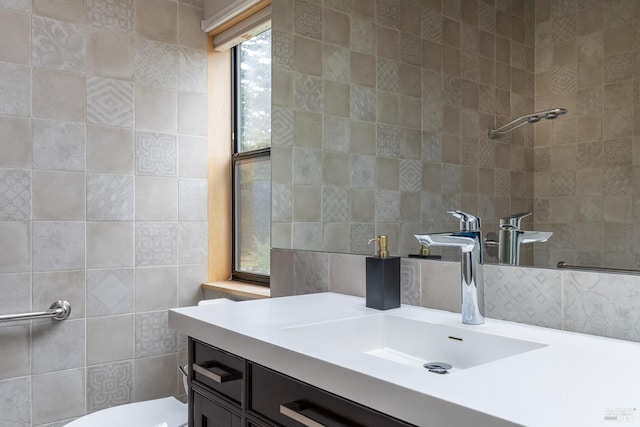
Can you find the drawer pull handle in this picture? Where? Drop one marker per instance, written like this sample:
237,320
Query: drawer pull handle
292,410
214,373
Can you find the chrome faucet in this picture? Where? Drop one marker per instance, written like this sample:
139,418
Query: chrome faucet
469,240
511,237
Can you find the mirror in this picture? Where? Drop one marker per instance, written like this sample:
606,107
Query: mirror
381,118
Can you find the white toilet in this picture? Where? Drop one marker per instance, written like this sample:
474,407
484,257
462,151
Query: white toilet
165,412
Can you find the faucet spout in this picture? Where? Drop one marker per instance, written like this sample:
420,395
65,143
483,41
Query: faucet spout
471,275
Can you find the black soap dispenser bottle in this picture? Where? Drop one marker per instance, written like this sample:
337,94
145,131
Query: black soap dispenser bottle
383,277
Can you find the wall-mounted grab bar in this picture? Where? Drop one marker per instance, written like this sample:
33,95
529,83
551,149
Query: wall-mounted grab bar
59,310
565,266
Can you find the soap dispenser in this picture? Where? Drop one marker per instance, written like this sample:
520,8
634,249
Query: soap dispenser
383,277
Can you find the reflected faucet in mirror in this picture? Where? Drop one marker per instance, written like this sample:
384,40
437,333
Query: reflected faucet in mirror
511,237
469,240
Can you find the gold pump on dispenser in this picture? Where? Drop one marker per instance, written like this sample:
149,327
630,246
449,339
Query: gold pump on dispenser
383,246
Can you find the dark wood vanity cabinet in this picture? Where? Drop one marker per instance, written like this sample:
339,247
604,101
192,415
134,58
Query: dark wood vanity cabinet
226,390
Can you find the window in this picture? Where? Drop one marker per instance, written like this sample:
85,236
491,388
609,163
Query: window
251,165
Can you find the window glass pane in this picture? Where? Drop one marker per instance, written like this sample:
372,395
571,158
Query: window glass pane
253,215
254,109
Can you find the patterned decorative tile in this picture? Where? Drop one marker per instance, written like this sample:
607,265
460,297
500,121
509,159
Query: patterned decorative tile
431,147
110,197
15,89
109,102
617,152
410,282
451,90
432,25
360,236
282,126
469,155
310,272
336,63
388,75
156,243
361,36
618,180
410,175
388,206
486,153
411,49
110,292
58,145
363,103
617,67
116,15
15,195
15,405
525,295
307,18
109,385
563,28
388,141
542,159
388,13
156,63
308,93
58,246
486,17
542,208
156,154
282,49
564,79
502,183
57,44
335,204
618,123
153,335
618,12
589,155
563,184
602,304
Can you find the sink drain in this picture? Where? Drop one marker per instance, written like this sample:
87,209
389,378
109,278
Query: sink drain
438,367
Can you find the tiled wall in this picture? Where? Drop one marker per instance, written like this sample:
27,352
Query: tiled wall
380,118
102,199
591,303
586,163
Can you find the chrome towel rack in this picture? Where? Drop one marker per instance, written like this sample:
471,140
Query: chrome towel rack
59,310
564,265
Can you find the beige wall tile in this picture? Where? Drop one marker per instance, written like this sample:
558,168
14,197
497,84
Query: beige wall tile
157,20
156,109
58,95
189,32
58,196
15,37
65,10
110,54
15,144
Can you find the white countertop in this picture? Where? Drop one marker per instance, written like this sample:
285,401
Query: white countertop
576,380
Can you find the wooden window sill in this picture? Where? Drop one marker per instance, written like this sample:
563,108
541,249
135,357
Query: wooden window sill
242,289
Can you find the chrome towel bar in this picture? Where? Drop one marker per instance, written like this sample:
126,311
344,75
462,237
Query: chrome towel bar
564,265
59,310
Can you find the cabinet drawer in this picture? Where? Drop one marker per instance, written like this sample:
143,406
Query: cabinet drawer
289,402
217,370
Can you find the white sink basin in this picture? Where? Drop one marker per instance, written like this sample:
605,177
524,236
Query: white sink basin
413,343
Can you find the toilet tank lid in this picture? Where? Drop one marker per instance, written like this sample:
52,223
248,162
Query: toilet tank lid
166,412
